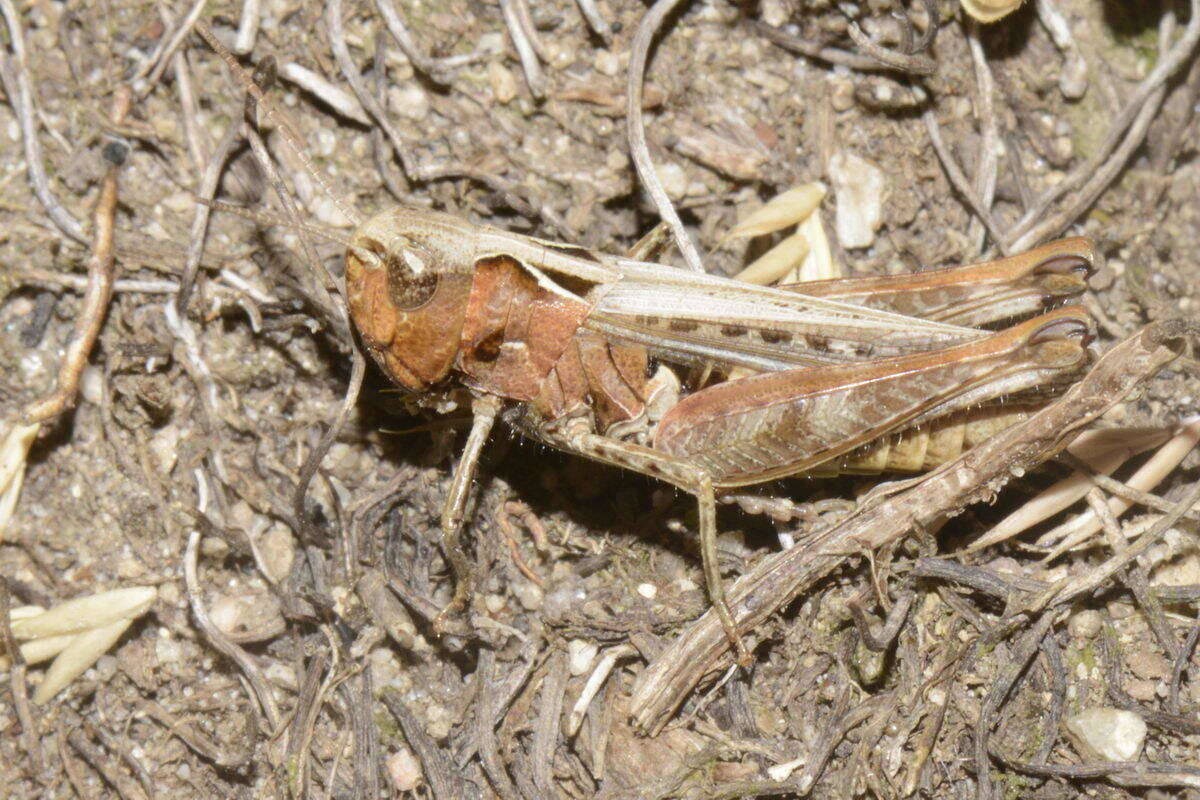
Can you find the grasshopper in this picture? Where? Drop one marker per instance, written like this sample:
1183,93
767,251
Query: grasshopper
576,349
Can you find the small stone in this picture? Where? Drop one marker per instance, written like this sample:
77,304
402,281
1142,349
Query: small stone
91,384
858,186
1148,665
328,212
647,590
409,101
1107,734
841,93
674,180
326,143
278,549
1142,691
529,595
1085,624
169,594
439,721
607,63
1061,150
1118,609
105,668
246,615
1073,82
504,83
491,42
179,202
281,674
581,653
167,650
562,598
1181,571
385,667
404,770
773,12
559,54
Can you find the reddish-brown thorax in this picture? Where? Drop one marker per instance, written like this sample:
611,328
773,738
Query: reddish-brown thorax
505,334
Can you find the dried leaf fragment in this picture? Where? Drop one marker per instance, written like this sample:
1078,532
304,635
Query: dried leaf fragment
773,265
781,211
13,452
76,633
86,613
818,264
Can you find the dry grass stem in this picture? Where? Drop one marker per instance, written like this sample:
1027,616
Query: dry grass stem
639,52
1102,451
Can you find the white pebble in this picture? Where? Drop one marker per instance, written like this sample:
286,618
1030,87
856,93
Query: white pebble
607,63
581,653
404,770
859,188
91,384
1107,734
328,212
674,180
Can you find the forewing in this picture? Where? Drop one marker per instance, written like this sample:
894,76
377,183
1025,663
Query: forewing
690,317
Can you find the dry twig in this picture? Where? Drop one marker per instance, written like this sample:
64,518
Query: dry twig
516,15
639,51
101,268
14,73
435,68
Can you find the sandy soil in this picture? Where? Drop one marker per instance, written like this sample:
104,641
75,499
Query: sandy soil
342,687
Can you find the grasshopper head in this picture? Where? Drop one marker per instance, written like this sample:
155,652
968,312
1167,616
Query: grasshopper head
408,296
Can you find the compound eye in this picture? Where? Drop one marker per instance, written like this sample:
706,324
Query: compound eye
412,276
1067,265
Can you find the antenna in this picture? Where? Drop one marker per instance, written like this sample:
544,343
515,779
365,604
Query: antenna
271,113
270,219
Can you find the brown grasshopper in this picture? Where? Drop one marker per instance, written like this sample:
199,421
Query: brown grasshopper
559,342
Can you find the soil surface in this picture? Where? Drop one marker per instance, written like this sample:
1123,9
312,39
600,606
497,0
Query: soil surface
301,656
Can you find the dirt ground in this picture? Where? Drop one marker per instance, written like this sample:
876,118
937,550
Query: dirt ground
318,672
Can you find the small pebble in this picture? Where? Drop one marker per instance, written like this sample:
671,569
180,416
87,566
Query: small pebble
581,653
1148,665
607,63
278,549
1118,609
529,595
841,94
404,770
503,82
1107,734
409,101
327,211
1085,624
167,650
91,384
859,187
674,180
1142,691
774,12
647,590
1073,82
